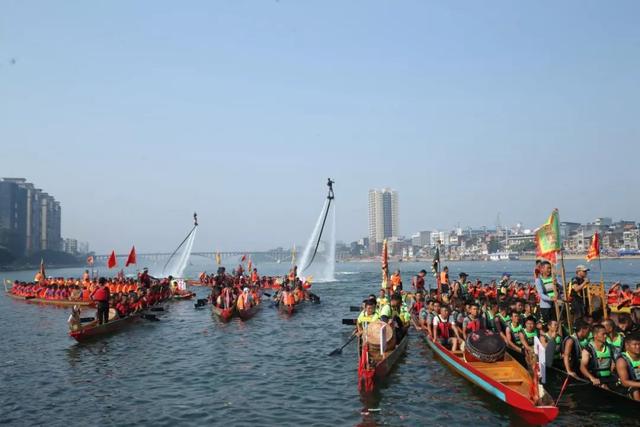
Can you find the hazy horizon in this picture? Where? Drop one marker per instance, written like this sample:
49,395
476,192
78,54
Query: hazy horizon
135,115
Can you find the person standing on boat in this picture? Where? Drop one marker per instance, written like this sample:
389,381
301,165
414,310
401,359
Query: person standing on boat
628,366
396,282
418,281
597,360
145,279
101,297
444,281
577,287
546,288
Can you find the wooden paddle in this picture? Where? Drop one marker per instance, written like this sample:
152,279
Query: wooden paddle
339,350
157,309
349,321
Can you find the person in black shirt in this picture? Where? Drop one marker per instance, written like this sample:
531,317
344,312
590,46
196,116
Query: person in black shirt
577,293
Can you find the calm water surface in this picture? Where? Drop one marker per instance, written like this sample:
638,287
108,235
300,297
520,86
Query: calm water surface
189,369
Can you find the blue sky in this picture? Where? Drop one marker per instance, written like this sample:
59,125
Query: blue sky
135,114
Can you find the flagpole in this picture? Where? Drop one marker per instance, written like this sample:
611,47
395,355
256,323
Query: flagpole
603,295
564,288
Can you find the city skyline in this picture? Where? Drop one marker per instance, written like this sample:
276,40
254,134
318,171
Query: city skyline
135,120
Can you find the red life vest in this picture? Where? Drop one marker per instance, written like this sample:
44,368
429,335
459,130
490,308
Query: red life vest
473,325
444,327
101,294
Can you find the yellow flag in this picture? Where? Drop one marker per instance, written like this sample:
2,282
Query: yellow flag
218,258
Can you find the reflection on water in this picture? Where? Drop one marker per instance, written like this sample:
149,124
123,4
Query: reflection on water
190,369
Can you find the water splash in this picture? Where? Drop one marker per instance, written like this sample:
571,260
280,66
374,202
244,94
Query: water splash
324,264
176,266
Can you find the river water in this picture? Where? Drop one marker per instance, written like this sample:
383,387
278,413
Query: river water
189,369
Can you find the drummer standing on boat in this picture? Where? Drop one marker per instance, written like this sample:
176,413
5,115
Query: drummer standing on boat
577,291
101,297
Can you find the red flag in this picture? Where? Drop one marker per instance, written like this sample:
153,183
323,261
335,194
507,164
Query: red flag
132,257
112,262
244,258
594,250
90,260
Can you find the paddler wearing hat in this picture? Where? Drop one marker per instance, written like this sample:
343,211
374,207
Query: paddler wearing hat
577,287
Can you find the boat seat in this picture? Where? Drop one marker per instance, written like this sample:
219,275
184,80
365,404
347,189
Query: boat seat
511,380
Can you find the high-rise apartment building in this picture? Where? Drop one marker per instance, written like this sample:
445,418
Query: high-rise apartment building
30,220
383,217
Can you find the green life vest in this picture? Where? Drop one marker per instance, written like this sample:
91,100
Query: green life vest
600,361
515,334
530,336
617,342
491,325
633,366
548,287
364,319
557,349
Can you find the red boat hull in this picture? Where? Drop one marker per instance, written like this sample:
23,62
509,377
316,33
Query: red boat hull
224,314
524,407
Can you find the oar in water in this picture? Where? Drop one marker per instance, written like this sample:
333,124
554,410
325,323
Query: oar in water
339,350
349,321
151,317
267,294
157,309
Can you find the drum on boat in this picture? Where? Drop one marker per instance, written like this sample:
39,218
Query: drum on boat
380,332
484,346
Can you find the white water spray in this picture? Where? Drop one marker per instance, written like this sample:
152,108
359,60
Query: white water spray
324,264
178,263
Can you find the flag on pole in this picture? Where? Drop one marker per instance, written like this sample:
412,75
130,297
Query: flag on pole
594,249
548,238
436,262
249,265
132,257
112,262
218,258
244,258
293,255
385,265
90,260
42,272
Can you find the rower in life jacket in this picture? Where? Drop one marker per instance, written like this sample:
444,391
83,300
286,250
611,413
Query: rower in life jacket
513,333
245,300
367,315
628,366
489,317
528,334
552,336
572,347
396,282
614,337
471,322
443,331
597,363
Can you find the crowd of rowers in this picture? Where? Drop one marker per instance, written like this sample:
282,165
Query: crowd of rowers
605,352
243,291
